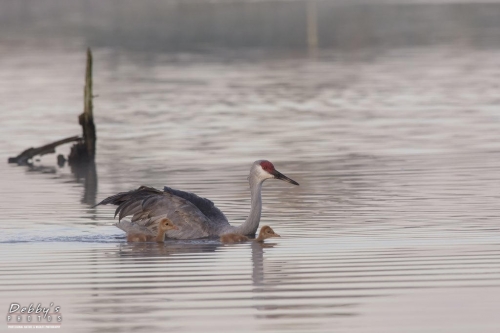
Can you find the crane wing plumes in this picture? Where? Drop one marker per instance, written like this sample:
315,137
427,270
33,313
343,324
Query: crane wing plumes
206,206
148,206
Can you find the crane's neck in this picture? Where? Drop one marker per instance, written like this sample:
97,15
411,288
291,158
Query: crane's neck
249,227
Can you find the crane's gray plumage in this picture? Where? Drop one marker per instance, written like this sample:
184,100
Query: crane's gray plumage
195,217
206,206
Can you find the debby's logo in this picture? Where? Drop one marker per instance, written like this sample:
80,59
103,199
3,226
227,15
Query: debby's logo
32,316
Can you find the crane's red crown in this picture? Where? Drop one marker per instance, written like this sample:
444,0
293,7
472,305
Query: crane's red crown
267,166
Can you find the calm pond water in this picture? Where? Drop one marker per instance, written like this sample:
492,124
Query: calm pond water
394,227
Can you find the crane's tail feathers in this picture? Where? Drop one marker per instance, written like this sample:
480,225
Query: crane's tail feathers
124,225
146,207
128,207
134,195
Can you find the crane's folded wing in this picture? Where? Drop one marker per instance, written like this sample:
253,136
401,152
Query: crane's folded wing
205,206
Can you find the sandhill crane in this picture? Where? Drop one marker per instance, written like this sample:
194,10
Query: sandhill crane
195,217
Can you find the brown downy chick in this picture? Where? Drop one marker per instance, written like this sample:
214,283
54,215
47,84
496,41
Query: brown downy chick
265,232
233,238
164,225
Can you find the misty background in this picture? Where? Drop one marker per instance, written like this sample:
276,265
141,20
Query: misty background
294,26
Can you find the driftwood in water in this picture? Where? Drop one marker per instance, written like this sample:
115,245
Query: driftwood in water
28,154
82,155
84,152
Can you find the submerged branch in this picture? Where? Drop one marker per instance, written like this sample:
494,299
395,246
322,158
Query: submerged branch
25,156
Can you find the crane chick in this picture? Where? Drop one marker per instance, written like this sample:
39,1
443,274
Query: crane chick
164,225
265,232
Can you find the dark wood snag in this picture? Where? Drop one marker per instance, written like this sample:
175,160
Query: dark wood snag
84,151
82,154
81,158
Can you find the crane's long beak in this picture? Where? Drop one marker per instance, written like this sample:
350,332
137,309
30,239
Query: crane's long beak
279,175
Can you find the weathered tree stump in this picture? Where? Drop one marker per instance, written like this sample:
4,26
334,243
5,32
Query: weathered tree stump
84,152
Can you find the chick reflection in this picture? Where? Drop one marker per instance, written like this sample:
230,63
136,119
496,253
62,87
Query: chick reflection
258,263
